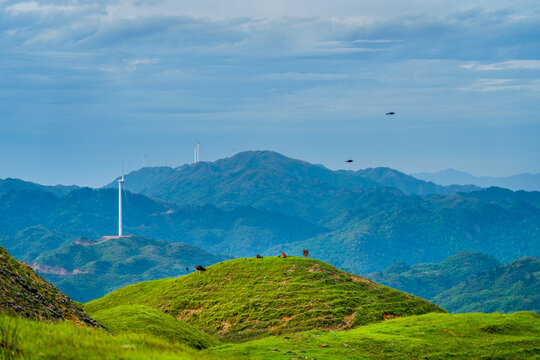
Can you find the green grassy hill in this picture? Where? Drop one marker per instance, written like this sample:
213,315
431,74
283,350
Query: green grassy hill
145,320
430,336
24,293
25,339
244,299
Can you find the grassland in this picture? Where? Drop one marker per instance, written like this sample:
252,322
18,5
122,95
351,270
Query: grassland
244,299
144,320
26,339
430,336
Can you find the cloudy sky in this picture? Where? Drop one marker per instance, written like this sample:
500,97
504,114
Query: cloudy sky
82,82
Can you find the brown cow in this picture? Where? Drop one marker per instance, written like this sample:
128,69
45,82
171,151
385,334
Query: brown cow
259,256
283,256
306,253
199,268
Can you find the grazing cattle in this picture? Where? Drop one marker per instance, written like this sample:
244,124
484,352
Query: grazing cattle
259,256
199,268
283,256
306,253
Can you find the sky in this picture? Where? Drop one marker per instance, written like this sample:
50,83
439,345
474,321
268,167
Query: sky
88,88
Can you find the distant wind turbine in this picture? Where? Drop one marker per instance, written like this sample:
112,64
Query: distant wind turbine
120,184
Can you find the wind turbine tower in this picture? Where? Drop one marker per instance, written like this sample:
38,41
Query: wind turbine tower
120,184
196,153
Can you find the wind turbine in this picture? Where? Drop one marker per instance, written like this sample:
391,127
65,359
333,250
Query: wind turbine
120,183
196,152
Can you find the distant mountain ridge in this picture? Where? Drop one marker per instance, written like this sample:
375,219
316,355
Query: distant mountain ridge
528,182
278,172
11,184
470,282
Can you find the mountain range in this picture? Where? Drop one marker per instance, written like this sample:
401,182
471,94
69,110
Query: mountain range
263,202
528,182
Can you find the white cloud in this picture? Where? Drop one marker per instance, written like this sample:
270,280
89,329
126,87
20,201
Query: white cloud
505,65
33,6
489,85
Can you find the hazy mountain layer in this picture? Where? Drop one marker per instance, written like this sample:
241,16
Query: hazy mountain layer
529,182
25,218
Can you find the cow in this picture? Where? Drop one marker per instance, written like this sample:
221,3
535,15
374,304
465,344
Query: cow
283,256
306,253
259,256
199,268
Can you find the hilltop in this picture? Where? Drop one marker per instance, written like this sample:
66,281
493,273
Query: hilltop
244,299
24,293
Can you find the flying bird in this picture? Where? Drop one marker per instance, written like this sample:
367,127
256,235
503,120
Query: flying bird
390,113
349,161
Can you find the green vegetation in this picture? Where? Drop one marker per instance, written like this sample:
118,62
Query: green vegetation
251,298
470,282
24,293
431,336
26,339
263,202
508,288
144,320
430,279
94,268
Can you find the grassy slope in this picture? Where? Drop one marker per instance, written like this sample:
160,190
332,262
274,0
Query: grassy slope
26,339
24,293
243,299
430,336
144,320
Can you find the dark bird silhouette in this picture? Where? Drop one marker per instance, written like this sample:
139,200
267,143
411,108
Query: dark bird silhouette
199,268
187,269
349,161
390,113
